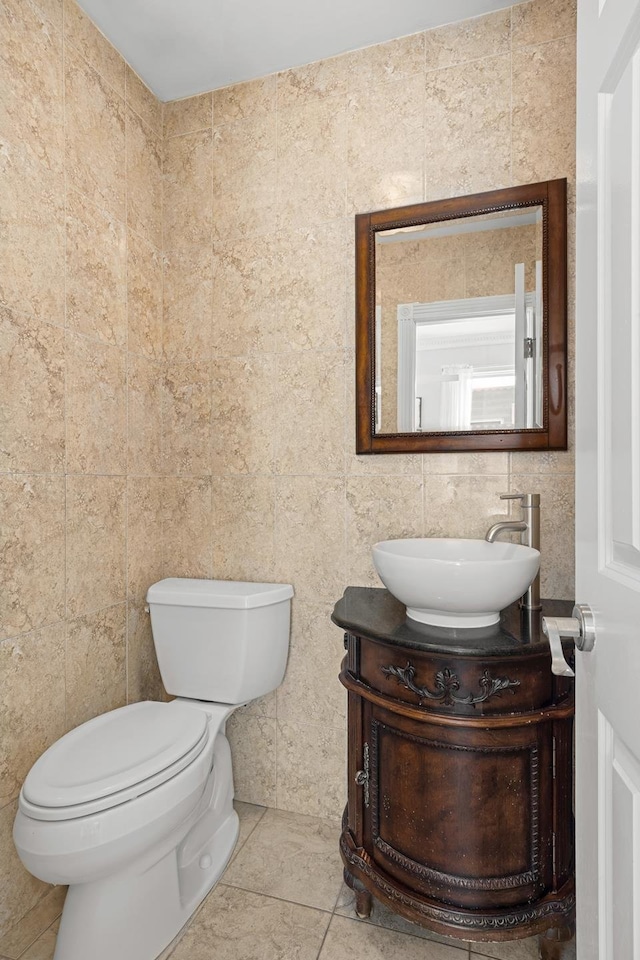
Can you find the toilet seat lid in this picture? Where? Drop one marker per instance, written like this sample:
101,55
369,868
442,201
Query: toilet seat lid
115,752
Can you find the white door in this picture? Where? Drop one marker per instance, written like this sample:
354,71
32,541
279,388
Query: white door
608,478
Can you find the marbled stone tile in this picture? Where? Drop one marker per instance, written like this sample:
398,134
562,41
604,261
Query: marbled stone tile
253,748
472,39
96,560
544,461
312,180
245,296
312,756
19,891
96,668
243,528
243,392
143,101
95,136
145,511
381,916
310,691
468,127
463,506
539,21
474,463
235,923
143,675
385,152
32,713
52,10
90,43
291,857
348,938
186,416
315,565
31,83
313,81
45,945
144,179
241,101
32,557
311,286
544,110
244,177
95,395
31,235
527,949
262,707
398,59
144,298
144,399
187,200
37,920
250,815
379,508
96,278
187,527
557,530
188,304
309,429
32,394
189,115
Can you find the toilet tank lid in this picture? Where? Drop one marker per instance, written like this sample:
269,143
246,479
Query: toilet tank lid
236,594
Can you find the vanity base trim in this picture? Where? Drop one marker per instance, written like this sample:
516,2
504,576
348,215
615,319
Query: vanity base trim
536,917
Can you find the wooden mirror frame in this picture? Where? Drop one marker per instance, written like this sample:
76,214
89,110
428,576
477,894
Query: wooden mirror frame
551,195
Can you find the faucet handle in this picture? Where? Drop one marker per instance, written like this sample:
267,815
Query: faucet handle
528,499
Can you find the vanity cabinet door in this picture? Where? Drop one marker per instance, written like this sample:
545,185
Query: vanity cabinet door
465,812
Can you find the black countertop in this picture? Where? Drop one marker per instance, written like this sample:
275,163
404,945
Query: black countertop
372,612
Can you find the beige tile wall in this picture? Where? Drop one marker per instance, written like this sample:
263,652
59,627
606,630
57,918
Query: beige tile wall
81,486
261,183
177,359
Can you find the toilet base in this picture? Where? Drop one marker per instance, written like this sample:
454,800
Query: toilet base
134,915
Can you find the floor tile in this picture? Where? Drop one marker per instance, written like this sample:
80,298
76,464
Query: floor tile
292,857
348,939
36,921
250,815
238,925
44,947
511,950
526,949
381,916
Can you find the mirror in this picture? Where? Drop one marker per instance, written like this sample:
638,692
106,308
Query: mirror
461,323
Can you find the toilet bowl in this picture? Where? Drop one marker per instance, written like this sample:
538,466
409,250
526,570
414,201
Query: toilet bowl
133,809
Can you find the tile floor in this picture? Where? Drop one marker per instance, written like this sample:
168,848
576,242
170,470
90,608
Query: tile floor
281,898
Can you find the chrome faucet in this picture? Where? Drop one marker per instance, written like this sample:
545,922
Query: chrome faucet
529,526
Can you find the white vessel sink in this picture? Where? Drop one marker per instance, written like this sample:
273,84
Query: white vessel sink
455,583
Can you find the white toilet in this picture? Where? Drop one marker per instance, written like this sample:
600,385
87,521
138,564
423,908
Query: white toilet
133,809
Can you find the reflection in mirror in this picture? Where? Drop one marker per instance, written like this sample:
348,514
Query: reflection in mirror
459,324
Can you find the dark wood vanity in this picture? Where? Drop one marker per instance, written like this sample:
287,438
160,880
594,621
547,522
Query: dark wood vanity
459,813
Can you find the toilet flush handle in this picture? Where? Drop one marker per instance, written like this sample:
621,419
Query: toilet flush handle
579,627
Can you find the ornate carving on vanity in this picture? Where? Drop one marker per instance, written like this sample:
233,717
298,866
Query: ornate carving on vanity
459,802
447,684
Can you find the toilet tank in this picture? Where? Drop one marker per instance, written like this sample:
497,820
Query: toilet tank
220,640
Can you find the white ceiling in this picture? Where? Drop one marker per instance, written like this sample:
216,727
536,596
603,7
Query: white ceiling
184,47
